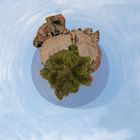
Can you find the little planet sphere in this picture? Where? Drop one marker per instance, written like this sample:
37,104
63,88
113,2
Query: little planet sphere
68,56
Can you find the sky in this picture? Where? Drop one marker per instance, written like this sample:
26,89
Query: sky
26,115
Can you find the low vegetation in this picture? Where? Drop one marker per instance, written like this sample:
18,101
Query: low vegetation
66,70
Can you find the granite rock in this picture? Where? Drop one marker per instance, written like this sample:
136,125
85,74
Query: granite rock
54,26
53,36
87,46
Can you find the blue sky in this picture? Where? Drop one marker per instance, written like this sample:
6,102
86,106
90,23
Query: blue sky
26,115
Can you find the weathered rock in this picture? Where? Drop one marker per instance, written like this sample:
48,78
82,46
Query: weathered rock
53,36
96,35
79,29
54,26
87,46
88,31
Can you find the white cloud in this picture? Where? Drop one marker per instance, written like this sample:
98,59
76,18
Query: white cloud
97,134
61,2
32,19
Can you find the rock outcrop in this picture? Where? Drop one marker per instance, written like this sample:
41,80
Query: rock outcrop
87,46
53,36
55,25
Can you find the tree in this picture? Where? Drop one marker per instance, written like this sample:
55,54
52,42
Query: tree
66,70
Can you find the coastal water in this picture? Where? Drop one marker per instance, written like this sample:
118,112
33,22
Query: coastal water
28,111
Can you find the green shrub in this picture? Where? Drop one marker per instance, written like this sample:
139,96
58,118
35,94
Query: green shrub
66,70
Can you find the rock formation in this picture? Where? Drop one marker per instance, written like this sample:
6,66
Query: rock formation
53,36
87,46
53,39
55,25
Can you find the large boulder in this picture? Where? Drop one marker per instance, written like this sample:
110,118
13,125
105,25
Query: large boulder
54,26
87,46
53,36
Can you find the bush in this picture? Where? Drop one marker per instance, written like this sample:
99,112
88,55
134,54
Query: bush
66,70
